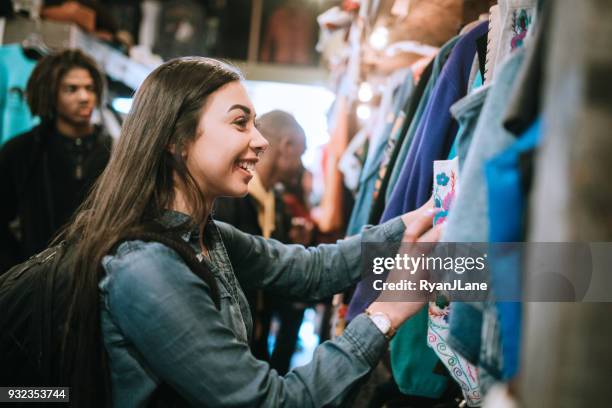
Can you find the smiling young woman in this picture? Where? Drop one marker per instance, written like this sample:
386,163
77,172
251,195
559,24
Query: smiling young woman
139,312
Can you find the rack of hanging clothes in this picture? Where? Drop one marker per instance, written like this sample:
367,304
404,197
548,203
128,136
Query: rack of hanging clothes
461,124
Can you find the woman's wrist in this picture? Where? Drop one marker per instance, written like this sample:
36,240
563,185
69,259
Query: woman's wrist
387,309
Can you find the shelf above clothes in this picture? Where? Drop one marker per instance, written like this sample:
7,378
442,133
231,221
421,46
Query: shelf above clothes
114,63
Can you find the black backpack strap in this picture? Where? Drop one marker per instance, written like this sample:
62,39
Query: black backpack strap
185,251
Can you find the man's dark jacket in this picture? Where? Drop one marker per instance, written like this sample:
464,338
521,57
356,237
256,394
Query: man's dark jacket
44,177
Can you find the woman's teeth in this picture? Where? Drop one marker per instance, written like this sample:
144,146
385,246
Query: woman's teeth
247,166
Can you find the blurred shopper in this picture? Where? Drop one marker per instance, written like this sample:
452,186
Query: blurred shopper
262,212
47,172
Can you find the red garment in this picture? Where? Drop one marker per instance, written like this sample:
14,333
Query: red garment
329,215
289,37
72,12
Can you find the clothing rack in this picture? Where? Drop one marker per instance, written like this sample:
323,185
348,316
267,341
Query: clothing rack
56,35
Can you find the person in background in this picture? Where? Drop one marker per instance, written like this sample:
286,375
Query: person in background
262,212
47,171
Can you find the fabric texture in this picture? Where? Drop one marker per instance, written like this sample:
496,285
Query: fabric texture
439,62
469,222
437,130
413,367
445,187
394,145
242,213
467,111
160,326
369,174
507,212
411,192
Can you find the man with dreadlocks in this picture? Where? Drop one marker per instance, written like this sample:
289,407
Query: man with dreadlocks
46,172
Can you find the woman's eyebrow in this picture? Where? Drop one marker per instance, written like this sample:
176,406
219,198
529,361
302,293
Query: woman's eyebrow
243,108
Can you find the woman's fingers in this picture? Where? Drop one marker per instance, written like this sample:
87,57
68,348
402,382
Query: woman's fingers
433,235
409,217
421,224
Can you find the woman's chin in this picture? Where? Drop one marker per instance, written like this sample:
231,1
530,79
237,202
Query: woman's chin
239,191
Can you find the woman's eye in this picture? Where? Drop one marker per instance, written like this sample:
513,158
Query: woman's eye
242,122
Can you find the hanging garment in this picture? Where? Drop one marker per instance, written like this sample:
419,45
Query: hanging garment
445,184
493,38
517,18
354,157
363,201
506,190
464,373
182,30
329,215
466,112
413,125
470,318
509,179
468,222
395,88
410,192
412,361
437,129
15,70
394,145
576,149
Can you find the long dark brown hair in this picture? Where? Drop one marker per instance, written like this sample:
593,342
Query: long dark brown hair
136,186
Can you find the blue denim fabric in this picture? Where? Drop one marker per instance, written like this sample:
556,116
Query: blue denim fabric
160,325
469,222
466,111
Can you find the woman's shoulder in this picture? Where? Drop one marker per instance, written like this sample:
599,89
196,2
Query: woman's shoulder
135,249
143,264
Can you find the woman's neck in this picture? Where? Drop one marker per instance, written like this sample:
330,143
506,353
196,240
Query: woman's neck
181,205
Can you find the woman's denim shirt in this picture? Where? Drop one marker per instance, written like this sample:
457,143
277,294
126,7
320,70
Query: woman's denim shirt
160,324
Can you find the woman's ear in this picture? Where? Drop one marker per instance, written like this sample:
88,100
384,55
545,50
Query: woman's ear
172,149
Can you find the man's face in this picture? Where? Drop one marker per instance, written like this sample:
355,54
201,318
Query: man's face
292,147
76,97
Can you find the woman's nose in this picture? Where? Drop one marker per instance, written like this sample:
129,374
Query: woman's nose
258,142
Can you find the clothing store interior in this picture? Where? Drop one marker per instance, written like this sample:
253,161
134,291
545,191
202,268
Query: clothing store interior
489,119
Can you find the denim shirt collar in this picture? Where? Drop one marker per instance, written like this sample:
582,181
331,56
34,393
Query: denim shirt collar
190,231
